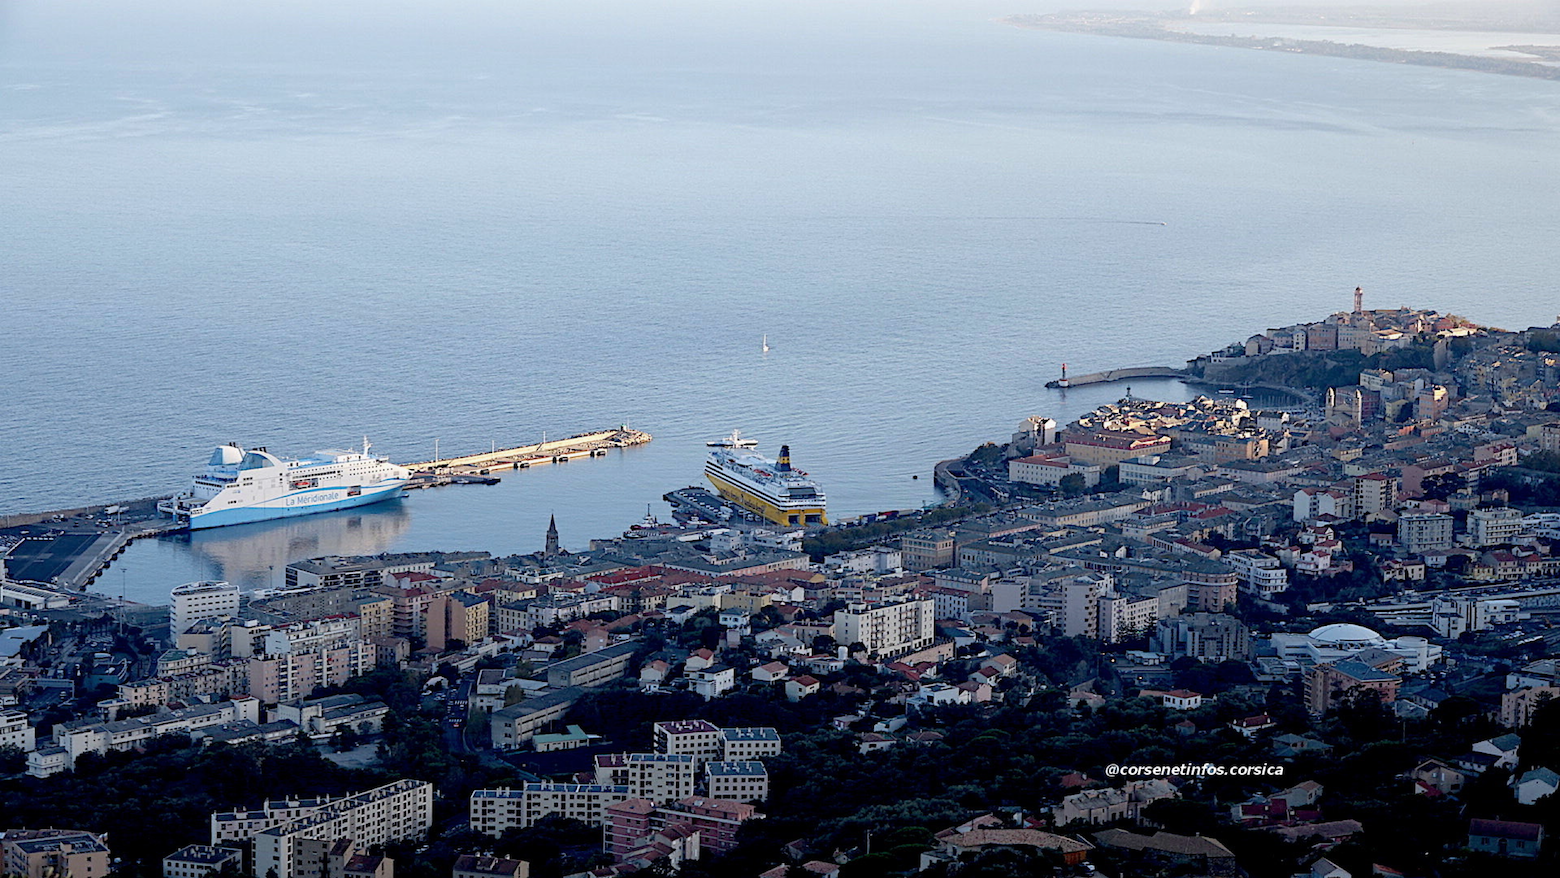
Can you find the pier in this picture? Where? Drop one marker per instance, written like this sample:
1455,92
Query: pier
1110,375
526,456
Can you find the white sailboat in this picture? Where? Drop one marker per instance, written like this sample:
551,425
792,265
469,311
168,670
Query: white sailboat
766,343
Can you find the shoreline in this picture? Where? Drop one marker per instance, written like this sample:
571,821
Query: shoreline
1142,26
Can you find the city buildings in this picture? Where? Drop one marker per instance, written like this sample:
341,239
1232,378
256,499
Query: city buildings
496,811
194,601
395,811
888,628
54,853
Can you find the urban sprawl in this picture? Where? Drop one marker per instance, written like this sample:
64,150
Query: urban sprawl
1329,586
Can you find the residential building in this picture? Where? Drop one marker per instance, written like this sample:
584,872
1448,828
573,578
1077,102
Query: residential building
1422,532
1326,685
456,617
395,811
1108,447
88,736
698,738
193,601
1516,708
1494,527
748,743
1110,804
1207,637
201,861
1260,574
54,853
660,777
739,781
16,731
714,681
886,629
1506,838
925,550
468,866
494,812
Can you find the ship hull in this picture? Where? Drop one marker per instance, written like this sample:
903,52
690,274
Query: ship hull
297,503
765,508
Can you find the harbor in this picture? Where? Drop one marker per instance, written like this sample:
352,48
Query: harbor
57,558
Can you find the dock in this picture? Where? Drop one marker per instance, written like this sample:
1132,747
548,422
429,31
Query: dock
1110,375
541,453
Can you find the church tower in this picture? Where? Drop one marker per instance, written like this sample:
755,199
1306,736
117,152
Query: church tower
552,536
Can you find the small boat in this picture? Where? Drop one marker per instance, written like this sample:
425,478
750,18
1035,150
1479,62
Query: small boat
735,440
765,343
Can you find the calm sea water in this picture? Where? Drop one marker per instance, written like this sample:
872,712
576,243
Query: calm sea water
480,222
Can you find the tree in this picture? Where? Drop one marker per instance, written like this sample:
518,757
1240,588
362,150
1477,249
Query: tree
1072,484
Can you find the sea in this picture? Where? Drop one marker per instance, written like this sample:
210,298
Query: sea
477,223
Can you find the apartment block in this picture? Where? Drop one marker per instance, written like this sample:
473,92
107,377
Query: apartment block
1422,532
54,853
1494,527
456,616
494,812
698,738
748,743
193,601
396,811
200,861
889,628
86,736
738,780
660,777
16,731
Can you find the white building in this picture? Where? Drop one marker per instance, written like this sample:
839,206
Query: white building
880,560
193,601
748,743
886,629
1260,574
396,811
16,732
659,777
1081,604
1340,641
1495,527
1452,615
698,738
713,682
85,736
200,861
494,812
1123,615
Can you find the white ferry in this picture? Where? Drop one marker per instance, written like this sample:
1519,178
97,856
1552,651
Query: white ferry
239,486
770,488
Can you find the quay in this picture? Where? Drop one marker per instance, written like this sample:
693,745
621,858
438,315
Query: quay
1110,375
526,456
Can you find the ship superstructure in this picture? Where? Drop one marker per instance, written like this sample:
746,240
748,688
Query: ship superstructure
770,488
241,486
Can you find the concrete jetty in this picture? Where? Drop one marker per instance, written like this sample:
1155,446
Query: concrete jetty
525,456
1110,375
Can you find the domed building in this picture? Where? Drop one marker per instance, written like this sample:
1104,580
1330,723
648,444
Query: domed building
1342,640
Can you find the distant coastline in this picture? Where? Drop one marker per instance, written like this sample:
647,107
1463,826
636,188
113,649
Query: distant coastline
1152,26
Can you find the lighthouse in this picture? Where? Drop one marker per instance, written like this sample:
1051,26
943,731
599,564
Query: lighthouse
1063,382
